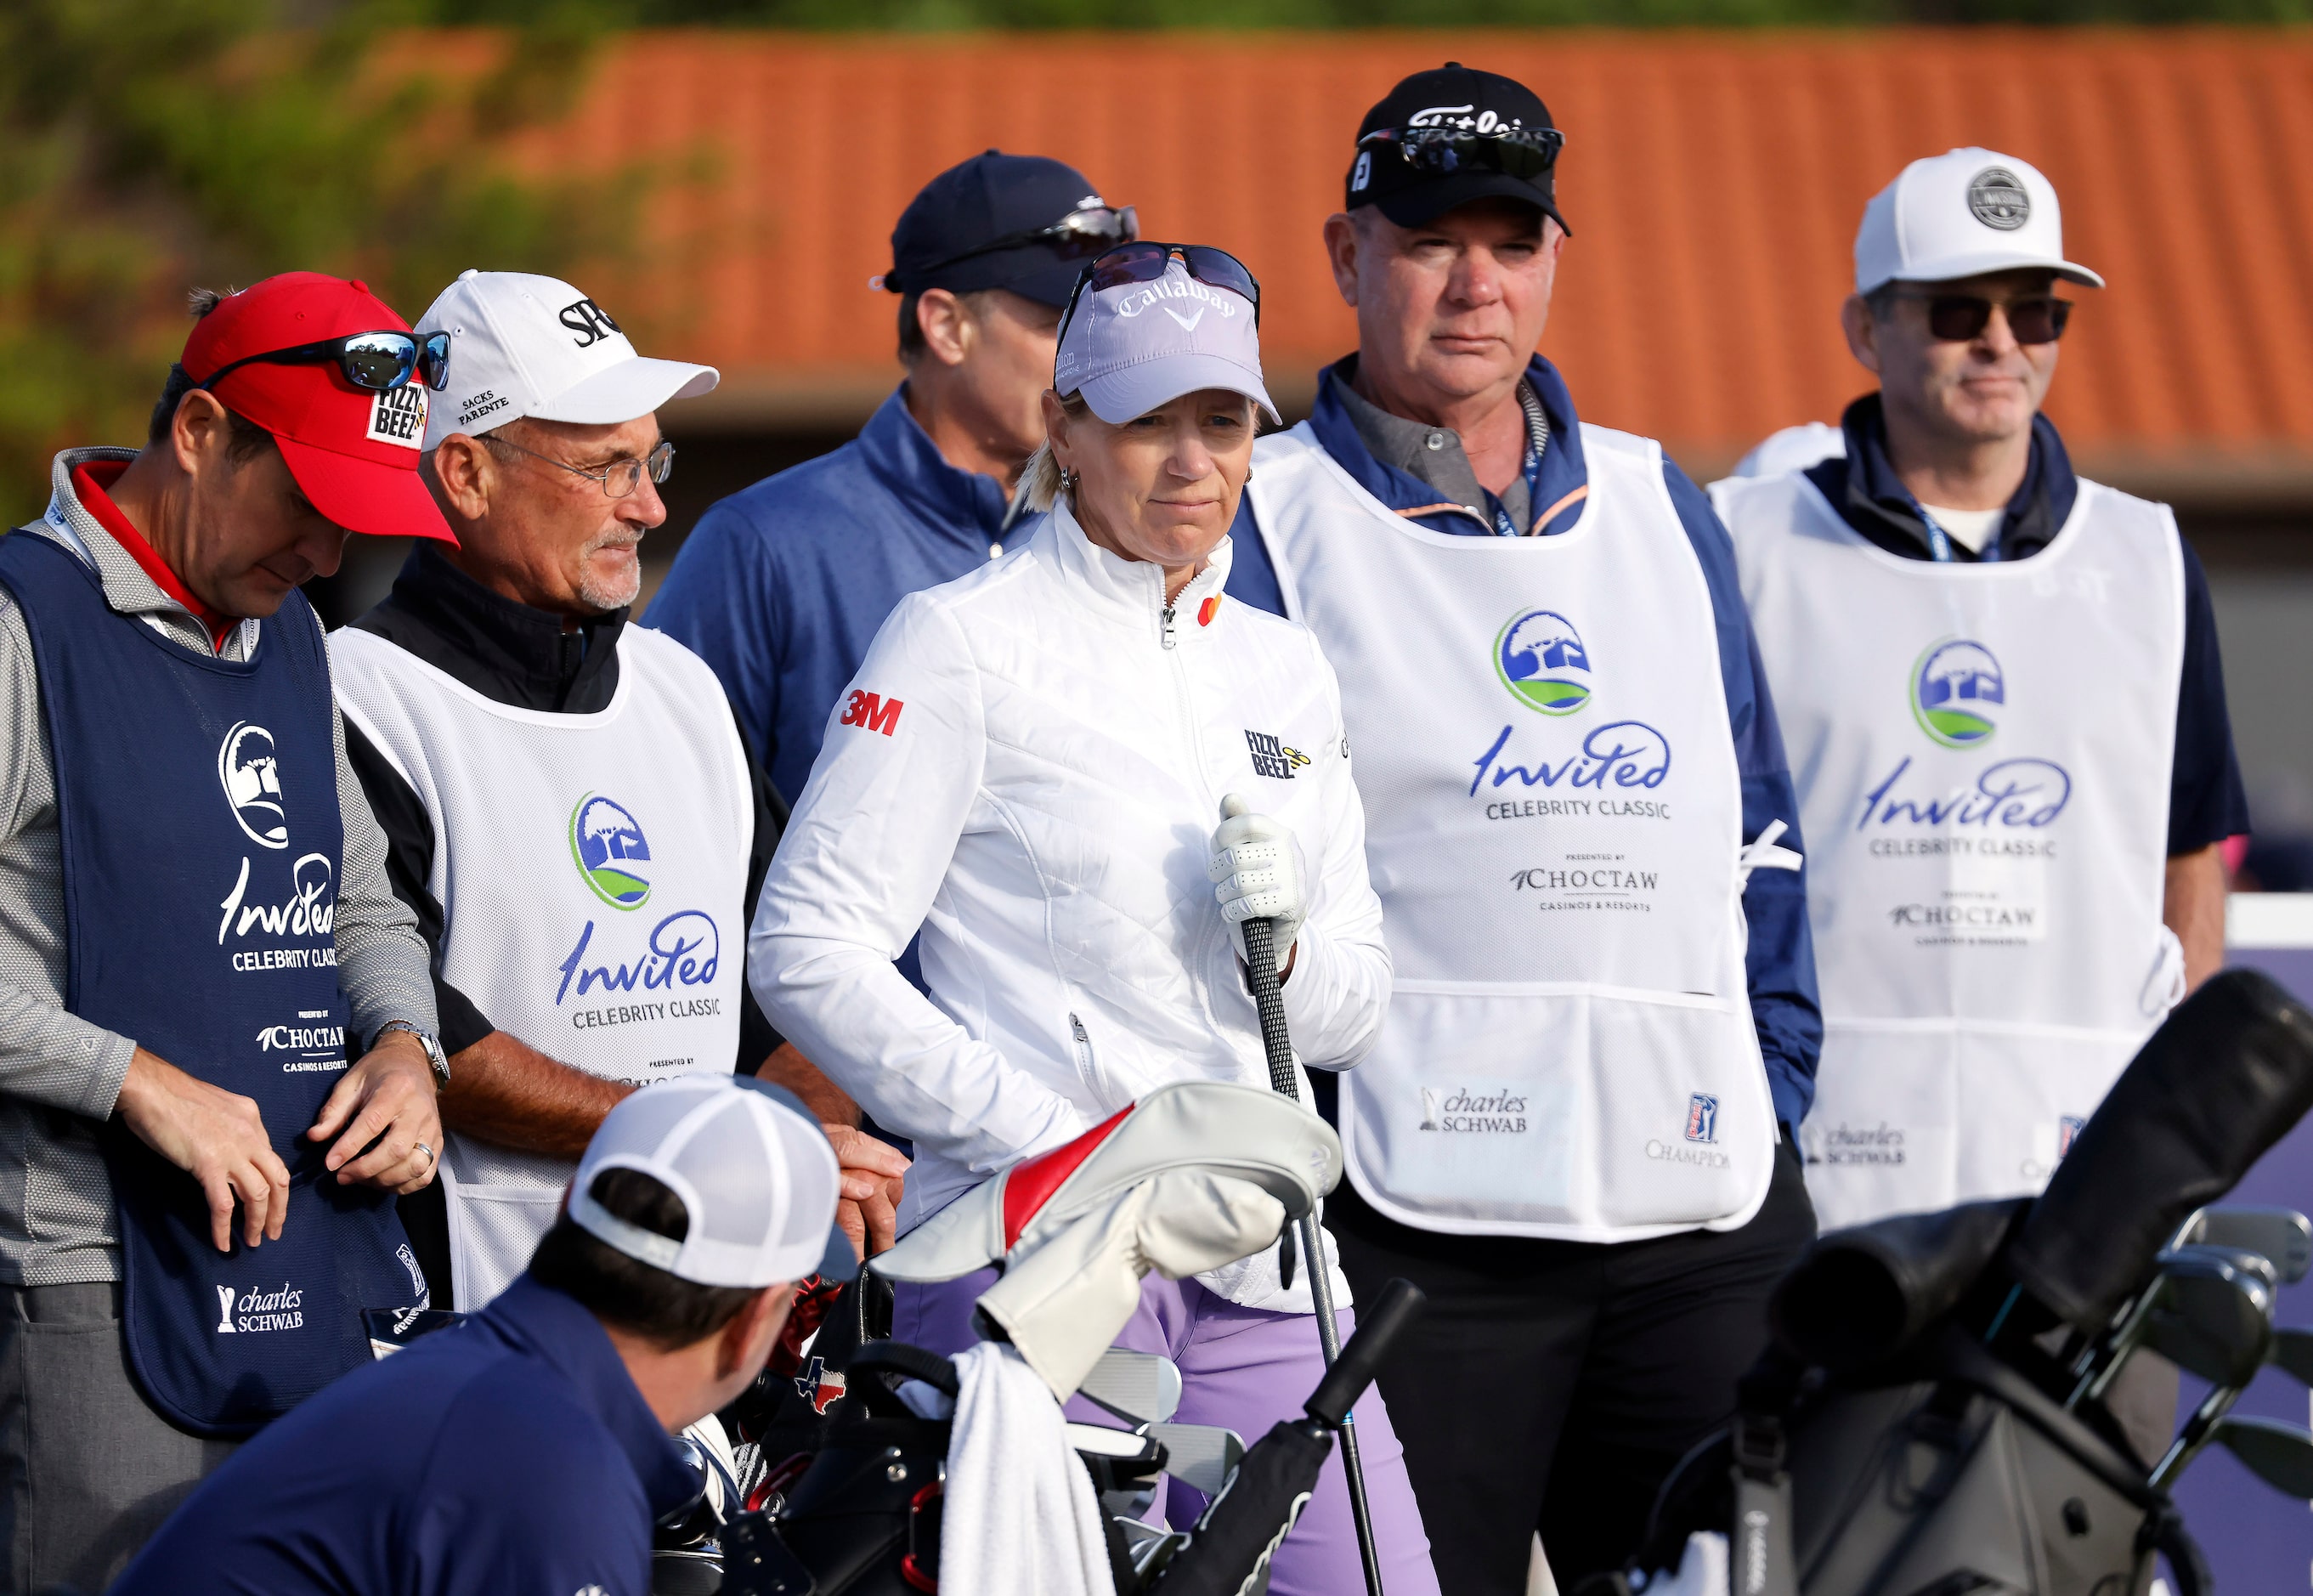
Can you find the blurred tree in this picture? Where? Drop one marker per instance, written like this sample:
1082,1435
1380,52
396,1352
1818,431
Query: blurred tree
939,15
150,145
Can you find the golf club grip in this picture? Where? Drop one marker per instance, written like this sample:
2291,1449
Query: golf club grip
1379,1330
1261,967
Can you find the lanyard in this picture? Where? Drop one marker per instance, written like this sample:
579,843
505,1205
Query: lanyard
1940,540
1537,439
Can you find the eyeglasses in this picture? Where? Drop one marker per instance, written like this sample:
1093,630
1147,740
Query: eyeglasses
1961,318
619,479
375,361
1076,235
1528,153
1145,261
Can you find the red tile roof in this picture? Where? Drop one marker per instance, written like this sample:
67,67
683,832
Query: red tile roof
1714,181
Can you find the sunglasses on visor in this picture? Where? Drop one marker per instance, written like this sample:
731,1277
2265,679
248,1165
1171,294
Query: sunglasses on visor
1145,260
1076,235
374,361
1961,318
1525,152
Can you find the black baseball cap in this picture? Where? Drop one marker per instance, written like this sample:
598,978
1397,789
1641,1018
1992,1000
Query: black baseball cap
976,226
1511,145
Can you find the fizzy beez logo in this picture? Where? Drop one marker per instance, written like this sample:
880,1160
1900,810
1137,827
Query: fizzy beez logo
606,842
1954,686
1540,658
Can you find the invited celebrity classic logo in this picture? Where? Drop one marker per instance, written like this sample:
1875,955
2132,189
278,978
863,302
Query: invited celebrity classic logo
249,771
1955,687
606,842
1540,658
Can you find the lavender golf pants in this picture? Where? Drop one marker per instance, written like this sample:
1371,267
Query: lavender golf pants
1242,1369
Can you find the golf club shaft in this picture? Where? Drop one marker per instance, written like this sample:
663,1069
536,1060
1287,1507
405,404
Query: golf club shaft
2194,1437
1261,967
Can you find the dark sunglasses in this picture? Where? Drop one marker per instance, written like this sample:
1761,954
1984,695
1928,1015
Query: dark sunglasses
1528,153
1145,260
377,361
1961,318
1076,235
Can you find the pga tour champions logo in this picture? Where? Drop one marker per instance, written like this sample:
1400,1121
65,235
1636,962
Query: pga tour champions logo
1955,687
249,771
1540,658
606,843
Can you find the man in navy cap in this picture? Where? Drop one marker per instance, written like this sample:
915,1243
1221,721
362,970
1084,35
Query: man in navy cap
1574,1134
782,587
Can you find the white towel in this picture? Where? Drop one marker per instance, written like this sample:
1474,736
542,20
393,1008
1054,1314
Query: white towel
1020,1517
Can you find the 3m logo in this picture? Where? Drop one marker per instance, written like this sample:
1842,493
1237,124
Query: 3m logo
874,712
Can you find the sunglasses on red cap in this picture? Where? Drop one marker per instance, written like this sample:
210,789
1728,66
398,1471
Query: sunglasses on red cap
374,361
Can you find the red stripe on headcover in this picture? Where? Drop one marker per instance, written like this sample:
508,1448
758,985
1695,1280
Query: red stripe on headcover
1031,1185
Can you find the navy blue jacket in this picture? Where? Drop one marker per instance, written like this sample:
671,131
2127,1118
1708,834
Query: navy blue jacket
1781,959
782,587
509,1453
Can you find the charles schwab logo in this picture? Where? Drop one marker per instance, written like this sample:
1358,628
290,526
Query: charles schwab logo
249,771
1954,687
265,1308
1540,658
1483,1113
606,842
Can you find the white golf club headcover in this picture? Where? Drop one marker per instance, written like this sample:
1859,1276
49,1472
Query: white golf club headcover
1064,1295
1215,1126
1257,874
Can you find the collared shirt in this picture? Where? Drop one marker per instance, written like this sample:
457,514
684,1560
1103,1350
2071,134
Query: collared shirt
781,587
511,654
510,1453
59,1075
1436,456
2206,801
1780,958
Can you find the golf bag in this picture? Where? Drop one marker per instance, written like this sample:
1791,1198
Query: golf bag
1917,1427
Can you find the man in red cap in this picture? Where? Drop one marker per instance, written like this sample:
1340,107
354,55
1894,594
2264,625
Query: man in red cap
210,999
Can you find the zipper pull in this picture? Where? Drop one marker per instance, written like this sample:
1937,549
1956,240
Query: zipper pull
1170,639
1076,1026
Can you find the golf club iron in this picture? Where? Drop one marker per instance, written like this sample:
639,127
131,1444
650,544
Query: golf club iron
1261,967
2278,1454
2282,1235
1138,1387
2208,1306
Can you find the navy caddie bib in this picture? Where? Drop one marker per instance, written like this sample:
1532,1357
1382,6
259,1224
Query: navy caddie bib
198,804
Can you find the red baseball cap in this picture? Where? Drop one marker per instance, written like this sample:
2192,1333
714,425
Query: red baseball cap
353,451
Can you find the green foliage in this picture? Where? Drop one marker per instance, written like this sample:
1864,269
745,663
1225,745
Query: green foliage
147,146
937,15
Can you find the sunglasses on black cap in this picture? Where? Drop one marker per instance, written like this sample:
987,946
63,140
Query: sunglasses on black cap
1525,152
375,361
1961,318
1076,235
1145,260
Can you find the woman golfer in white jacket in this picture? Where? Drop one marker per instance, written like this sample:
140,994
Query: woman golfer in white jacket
1029,767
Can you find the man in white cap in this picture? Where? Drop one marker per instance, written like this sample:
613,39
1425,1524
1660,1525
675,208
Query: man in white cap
532,1448
567,804
2000,689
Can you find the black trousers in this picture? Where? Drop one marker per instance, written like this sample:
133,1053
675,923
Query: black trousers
1552,1385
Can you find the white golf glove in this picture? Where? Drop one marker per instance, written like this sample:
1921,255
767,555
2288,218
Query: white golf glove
1257,874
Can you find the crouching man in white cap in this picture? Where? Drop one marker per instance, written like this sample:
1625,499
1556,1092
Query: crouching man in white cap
532,1448
567,805
2001,693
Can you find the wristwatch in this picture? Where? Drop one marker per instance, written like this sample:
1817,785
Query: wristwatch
435,1057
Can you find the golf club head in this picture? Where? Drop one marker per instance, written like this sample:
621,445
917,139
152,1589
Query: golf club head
2278,1454
2211,1314
2283,1235
2292,1353
1204,1457
2245,1259
1139,1387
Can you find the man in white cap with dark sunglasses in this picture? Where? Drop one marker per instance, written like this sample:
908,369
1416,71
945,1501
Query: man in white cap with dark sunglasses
532,1448
568,807
1999,683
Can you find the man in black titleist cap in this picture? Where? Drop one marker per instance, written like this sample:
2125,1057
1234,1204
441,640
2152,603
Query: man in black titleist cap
781,587
1574,1132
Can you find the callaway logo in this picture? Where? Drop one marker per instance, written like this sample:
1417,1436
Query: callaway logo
1174,285
589,321
398,416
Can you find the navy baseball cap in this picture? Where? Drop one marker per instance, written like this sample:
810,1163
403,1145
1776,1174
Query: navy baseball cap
1025,223
1449,137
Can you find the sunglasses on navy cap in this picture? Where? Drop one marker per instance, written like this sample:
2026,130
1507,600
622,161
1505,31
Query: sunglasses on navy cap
1525,152
375,361
1076,235
1145,260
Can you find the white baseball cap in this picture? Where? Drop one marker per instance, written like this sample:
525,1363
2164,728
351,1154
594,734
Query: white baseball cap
758,1180
1958,214
1136,346
521,345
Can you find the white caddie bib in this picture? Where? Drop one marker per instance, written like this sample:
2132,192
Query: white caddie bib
1982,754
1552,820
590,870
